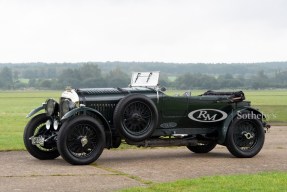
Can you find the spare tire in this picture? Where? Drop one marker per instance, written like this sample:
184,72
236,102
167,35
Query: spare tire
135,117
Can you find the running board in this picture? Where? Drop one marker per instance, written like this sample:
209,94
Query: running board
164,142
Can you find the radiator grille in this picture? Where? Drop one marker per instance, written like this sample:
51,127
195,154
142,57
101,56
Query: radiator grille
107,110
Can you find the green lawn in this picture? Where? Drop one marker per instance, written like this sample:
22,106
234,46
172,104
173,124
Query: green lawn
26,81
240,183
15,105
14,108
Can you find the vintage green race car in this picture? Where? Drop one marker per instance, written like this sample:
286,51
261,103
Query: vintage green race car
85,121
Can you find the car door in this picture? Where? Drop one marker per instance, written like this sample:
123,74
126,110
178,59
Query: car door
207,112
175,107
173,111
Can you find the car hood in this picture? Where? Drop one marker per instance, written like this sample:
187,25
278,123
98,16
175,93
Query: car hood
113,91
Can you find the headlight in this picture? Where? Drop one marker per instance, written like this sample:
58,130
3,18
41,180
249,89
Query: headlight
48,124
67,105
51,105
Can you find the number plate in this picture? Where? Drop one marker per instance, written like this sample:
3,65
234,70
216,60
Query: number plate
37,140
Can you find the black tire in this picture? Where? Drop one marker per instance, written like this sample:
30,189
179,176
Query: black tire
36,127
81,140
245,137
202,148
116,142
136,117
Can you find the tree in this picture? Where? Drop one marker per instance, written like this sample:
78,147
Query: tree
194,81
88,75
69,77
32,83
117,78
16,75
89,71
6,78
281,77
47,84
164,81
260,81
228,81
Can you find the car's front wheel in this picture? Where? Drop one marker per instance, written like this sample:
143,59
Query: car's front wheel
245,137
202,148
38,140
81,140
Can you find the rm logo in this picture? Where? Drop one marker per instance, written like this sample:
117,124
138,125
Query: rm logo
207,115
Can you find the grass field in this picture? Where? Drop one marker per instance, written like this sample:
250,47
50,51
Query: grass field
17,104
14,108
242,183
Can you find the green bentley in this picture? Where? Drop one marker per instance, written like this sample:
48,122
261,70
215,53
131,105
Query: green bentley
85,121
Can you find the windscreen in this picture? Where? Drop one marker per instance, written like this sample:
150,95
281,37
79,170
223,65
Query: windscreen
145,79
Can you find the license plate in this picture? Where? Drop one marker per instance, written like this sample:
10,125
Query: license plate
37,140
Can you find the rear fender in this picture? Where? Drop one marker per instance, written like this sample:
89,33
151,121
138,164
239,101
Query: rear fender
238,112
95,114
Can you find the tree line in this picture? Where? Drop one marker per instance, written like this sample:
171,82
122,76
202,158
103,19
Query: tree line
227,81
93,75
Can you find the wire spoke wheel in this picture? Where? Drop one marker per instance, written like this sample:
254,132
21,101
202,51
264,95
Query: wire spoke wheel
82,141
137,118
245,137
36,131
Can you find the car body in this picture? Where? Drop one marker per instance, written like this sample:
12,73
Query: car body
87,120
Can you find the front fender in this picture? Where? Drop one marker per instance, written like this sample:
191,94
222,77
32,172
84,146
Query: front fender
34,111
84,110
229,119
96,113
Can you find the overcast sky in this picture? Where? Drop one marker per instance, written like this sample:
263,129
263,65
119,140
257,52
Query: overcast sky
185,31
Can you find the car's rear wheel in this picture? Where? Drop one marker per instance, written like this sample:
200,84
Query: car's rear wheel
35,131
245,137
81,140
202,147
136,117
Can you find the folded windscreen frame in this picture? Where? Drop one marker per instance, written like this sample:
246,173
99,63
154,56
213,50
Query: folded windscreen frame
145,79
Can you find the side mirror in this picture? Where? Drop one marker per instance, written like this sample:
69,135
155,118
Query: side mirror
163,89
